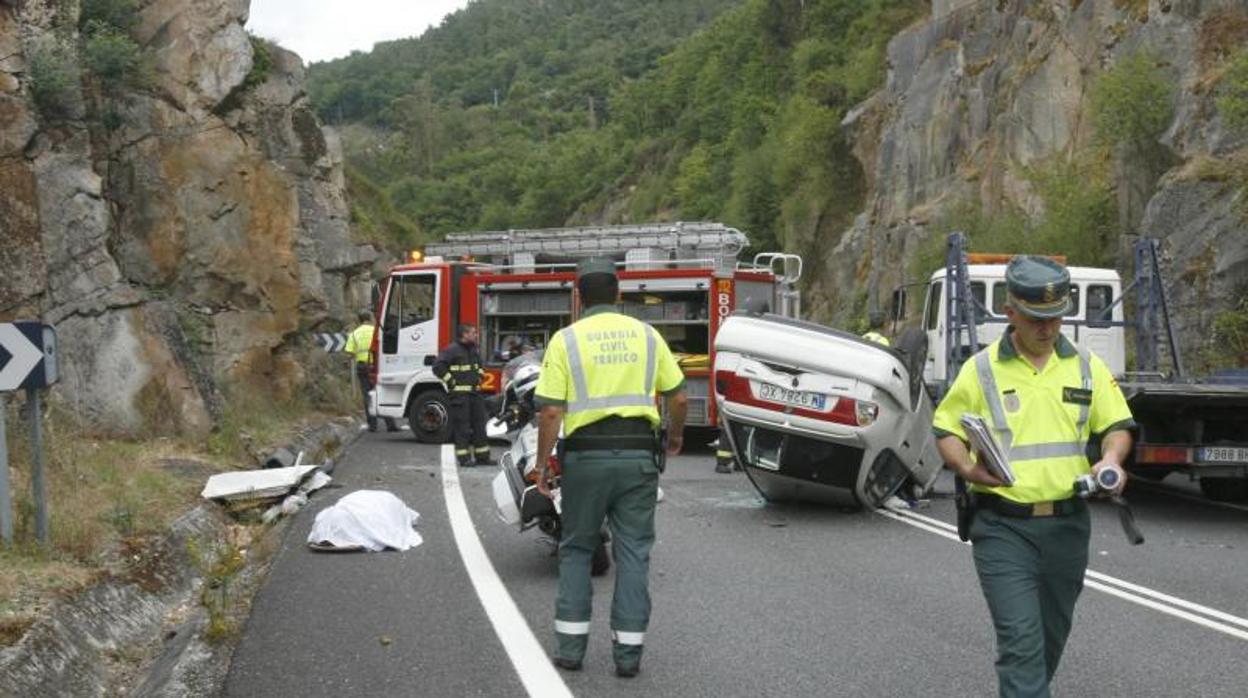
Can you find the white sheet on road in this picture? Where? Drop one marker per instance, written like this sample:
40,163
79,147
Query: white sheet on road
369,519
255,484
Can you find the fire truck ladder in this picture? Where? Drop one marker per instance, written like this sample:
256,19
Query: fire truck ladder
652,245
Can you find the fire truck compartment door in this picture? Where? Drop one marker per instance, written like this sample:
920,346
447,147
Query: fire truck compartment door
409,332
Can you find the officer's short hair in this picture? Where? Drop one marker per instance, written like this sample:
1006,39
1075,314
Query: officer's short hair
364,315
465,327
875,319
598,289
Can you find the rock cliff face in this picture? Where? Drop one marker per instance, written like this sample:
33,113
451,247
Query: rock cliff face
986,88
179,235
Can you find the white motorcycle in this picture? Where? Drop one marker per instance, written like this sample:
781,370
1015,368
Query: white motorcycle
516,499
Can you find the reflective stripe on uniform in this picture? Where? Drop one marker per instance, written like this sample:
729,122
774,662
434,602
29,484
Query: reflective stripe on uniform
583,402
723,454
992,396
570,627
482,449
463,388
462,367
1085,372
461,451
626,638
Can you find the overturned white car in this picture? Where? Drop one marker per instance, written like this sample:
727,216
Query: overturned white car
817,414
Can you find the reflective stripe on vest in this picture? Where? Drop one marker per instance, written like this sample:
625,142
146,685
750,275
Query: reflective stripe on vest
992,396
583,402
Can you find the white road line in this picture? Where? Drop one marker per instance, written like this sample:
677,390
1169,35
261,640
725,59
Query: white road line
1123,589
539,676
1107,579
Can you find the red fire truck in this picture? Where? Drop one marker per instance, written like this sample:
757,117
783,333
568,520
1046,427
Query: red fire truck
518,287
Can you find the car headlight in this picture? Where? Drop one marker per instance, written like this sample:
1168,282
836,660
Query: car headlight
866,412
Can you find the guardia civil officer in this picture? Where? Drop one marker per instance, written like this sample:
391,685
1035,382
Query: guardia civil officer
599,380
875,331
459,368
359,345
1044,398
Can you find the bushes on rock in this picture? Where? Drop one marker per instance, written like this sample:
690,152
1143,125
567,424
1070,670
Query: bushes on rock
118,14
54,79
1132,102
113,57
1233,103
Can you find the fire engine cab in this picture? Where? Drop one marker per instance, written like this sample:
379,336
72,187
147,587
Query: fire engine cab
519,288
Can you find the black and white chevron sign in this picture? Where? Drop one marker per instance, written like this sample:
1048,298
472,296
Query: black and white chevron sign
27,356
331,341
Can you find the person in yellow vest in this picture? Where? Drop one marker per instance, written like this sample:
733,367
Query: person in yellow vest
359,345
1044,398
600,378
875,330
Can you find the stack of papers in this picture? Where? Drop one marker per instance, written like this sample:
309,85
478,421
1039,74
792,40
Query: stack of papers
985,444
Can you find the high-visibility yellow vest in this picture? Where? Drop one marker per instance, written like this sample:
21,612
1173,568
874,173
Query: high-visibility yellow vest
607,364
359,342
876,337
1042,419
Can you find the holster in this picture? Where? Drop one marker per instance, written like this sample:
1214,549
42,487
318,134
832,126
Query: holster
660,450
964,500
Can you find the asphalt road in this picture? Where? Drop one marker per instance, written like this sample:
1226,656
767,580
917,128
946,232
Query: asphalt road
750,599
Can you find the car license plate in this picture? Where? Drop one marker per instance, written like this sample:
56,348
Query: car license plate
1222,454
796,398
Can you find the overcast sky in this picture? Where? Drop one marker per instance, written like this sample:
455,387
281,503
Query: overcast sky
319,30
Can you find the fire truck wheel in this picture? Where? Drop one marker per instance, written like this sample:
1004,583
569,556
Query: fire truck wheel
430,417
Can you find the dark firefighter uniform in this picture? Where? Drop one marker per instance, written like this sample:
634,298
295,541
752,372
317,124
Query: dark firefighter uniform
1030,540
605,370
459,368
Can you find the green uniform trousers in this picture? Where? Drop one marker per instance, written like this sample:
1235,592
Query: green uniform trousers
621,487
1031,572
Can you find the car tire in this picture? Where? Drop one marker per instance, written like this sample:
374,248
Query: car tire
913,346
1225,489
429,416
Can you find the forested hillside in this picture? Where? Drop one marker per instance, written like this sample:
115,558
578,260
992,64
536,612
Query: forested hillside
521,113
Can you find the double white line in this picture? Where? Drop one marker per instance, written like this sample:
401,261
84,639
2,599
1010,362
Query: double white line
1171,605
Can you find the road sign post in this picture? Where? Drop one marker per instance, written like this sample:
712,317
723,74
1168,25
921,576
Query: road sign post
27,360
38,485
6,500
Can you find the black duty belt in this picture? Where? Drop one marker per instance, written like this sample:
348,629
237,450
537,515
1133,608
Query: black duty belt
1019,510
614,433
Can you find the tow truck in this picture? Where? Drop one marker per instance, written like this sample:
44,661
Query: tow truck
518,287
1196,425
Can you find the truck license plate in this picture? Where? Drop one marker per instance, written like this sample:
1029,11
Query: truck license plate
1222,454
796,398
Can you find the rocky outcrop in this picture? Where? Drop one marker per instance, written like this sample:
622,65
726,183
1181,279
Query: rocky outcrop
181,234
987,88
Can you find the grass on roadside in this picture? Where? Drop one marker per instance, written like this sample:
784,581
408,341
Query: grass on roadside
108,494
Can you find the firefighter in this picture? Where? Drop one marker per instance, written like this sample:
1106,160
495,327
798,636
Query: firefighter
459,368
875,331
1044,399
359,346
599,381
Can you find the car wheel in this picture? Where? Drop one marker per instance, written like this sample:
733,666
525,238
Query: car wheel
429,417
913,346
1225,489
